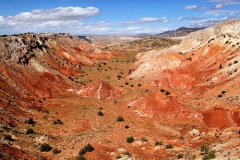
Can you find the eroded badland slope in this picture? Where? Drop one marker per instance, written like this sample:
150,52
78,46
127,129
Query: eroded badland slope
160,104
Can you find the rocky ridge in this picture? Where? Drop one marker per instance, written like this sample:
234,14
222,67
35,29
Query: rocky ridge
144,44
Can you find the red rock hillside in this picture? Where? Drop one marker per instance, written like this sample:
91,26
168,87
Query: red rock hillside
63,97
204,77
100,90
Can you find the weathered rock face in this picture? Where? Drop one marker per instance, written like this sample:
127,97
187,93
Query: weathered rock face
35,67
22,48
205,78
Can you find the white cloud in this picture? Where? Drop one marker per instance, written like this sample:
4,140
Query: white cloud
226,2
53,20
206,23
218,12
217,9
202,8
194,7
142,30
218,6
95,29
57,14
146,20
177,19
190,7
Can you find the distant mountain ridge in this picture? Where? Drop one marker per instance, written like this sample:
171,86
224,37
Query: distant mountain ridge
144,44
183,31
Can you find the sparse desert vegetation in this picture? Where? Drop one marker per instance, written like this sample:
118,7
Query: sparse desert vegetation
131,102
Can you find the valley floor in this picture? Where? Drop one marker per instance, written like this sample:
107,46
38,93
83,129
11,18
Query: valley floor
114,127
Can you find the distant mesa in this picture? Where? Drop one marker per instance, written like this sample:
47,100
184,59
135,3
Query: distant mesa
100,90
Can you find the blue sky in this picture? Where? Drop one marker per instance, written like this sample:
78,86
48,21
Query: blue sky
102,17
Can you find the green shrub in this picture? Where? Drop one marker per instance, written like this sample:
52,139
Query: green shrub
85,149
158,143
130,139
30,121
180,156
144,139
223,92
80,157
58,121
29,131
220,66
120,119
210,155
168,146
45,147
56,151
204,149
82,151
162,90
89,148
100,113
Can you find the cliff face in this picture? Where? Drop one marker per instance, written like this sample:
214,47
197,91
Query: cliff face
22,48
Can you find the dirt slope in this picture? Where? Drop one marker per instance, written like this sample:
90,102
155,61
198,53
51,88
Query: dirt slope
100,90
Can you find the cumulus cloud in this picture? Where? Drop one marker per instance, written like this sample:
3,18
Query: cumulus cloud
146,20
57,14
51,20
